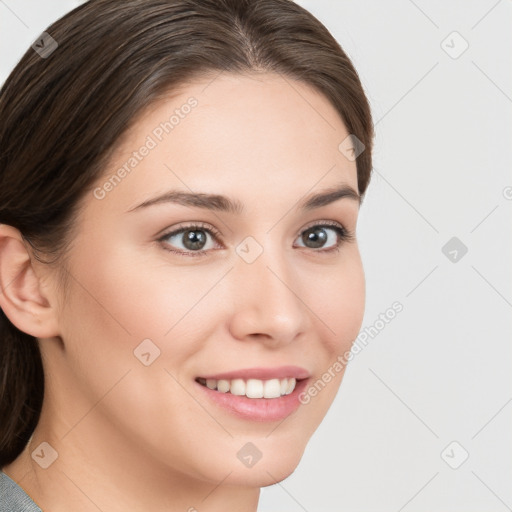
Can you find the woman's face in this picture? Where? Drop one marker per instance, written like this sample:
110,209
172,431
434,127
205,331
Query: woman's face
258,292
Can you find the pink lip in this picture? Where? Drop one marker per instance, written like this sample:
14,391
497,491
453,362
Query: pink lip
257,409
282,372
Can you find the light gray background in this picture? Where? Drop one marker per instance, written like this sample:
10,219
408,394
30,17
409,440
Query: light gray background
440,371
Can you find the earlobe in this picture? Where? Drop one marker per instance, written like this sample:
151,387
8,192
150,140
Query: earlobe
21,298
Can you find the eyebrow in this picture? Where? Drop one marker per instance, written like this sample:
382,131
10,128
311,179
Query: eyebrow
217,202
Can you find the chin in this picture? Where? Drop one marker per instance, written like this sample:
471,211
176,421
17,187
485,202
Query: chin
275,465
262,477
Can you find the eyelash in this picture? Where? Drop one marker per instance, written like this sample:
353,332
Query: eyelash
343,236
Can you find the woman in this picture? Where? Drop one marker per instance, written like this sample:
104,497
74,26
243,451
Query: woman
180,187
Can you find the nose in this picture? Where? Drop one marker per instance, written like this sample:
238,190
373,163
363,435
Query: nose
269,302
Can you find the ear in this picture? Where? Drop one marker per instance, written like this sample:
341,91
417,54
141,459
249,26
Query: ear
21,297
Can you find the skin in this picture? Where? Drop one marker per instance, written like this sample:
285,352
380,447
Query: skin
136,437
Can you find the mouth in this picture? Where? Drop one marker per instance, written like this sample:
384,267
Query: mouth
257,394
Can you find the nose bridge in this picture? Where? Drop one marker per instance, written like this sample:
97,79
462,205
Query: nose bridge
267,303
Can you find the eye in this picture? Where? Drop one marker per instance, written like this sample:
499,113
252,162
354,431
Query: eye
191,240
326,236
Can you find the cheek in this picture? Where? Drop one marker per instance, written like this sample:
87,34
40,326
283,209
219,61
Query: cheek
123,299
129,293
339,301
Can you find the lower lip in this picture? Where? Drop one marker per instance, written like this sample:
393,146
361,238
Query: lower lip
257,409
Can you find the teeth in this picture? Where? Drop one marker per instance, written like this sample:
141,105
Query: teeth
283,386
272,388
223,386
237,387
291,386
252,388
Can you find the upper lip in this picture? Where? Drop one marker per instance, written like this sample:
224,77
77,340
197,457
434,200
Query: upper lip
281,372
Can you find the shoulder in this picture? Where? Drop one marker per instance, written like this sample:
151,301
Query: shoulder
13,498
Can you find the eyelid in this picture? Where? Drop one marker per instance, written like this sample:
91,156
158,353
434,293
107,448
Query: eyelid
322,223
183,226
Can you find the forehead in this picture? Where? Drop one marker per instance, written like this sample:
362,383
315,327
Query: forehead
239,135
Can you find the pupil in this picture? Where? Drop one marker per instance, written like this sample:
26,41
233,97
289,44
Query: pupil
194,239
316,236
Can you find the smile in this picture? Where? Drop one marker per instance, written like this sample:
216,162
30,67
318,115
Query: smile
256,394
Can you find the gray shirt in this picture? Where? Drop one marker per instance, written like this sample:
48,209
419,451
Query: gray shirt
13,498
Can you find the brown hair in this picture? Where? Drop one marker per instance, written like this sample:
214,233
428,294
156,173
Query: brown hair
61,117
